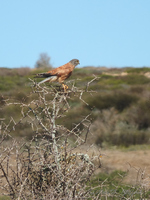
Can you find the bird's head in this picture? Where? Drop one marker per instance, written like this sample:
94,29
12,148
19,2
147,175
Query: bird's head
75,62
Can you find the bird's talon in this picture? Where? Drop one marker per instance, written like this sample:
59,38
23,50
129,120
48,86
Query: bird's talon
65,87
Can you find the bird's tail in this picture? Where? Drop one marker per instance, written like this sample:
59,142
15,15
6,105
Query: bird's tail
43,75
49,79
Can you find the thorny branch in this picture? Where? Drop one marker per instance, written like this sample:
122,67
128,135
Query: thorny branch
47,166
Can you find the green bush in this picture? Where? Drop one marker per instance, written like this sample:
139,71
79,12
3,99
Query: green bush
138,70
131,79
111,80
135,79
119,100
124,100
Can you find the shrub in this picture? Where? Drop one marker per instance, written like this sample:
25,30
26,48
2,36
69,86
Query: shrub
135,79
123,136
111,80
119,100
127,135
124,100
46,166
138,70
139,89
111,128
140,114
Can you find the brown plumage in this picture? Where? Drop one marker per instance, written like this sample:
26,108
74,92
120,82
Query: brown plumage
59,74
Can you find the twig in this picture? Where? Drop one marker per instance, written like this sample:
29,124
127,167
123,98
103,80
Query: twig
6,177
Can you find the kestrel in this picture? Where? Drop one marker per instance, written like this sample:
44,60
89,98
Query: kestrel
59,74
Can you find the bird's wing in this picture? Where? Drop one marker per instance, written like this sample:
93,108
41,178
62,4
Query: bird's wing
64,69
59,74
45,75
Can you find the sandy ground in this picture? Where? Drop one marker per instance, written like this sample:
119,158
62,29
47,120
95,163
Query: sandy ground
136,163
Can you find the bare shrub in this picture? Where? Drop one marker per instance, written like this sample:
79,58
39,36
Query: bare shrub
47,166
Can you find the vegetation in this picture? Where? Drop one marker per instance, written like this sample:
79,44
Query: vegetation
111,186
138,70
127,95
46,127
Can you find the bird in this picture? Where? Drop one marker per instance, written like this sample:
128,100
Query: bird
59,74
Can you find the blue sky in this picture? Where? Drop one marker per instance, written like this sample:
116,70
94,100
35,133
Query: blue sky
112,33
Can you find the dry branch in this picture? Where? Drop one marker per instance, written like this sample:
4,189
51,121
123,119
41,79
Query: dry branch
47,165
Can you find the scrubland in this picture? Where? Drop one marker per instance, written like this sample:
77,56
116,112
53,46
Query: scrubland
91,142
